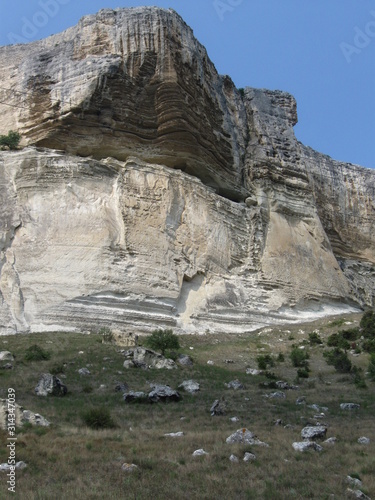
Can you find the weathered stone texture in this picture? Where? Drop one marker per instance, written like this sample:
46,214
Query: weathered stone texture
172,200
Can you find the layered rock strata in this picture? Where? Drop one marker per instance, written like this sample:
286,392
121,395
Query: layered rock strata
173,199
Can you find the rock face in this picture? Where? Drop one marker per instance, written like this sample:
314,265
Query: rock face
197,208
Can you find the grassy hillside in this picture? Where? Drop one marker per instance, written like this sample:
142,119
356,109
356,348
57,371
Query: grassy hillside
68,460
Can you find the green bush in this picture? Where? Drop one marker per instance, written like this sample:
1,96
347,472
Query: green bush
264,361
369,346
339,359
36,353
315,339
11,140
161,340
281,357
98,418
350,334
303,372
371,367
367,324
358,378
337,340
299,357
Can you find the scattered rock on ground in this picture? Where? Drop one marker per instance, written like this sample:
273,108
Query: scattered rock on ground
121,387
349,406
163,393
34,418
6,356
6,467
235,384
199,453
364,440
132,396
314,432
253,371
210,362
84,371
353,481
190,386
280,384
301,400
249,457
218,407
50,384
277,395
307,445
129,467
174,434
244,436
140,357
184,360
357,494
331,440
234,459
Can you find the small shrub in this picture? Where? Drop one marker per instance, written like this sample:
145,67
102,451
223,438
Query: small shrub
161,340
36,353
87,388
106,334
369,346
270,375
371,367
358,378
367,325
315,339
57,369
303,372
98,418
336,322
299,357
281,357
264,361
339,359
11,140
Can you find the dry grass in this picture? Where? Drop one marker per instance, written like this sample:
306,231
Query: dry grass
69,461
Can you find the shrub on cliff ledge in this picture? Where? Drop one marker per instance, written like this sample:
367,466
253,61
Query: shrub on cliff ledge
161,340
11,140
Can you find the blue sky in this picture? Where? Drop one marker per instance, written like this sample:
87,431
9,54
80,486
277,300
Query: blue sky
321,51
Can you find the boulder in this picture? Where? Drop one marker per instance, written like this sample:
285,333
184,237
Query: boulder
249,457
244,436
132,396
6,356
129,467
307,445
314,432
235,384
364,440
184,360
140,357
199,453
190,386
84,371
350,406
218,407
253,371
50,385
35,419
234,459
163,393
22,416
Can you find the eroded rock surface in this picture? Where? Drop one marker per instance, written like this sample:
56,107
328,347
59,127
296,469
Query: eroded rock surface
197,208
